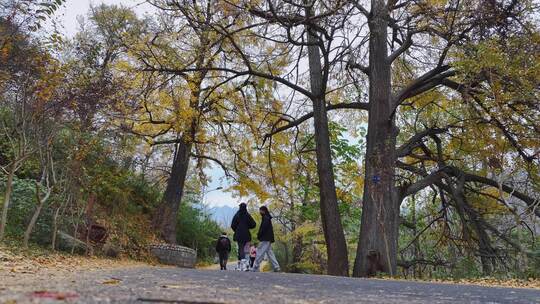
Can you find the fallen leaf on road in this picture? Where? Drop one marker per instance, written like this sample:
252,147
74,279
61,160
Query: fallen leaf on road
22,270
112,281
279,287
171,286
43,294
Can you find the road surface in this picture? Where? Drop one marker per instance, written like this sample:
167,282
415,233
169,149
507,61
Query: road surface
147,284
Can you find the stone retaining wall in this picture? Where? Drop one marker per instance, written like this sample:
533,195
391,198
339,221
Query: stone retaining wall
175,255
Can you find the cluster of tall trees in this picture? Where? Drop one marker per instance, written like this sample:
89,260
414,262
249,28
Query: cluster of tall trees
378,130
68,164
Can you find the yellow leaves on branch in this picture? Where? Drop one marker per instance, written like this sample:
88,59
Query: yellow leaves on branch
246,186
306,229
50,80
437,3
5,51
487,202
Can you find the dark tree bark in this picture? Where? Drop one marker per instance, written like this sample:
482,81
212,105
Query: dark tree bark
380,207
166,214
336,246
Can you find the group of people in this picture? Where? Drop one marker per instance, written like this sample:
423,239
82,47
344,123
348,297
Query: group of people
241,224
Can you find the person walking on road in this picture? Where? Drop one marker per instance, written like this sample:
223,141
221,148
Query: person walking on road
223,248
241,224
266,238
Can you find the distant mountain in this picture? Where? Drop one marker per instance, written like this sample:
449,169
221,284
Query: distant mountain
222,215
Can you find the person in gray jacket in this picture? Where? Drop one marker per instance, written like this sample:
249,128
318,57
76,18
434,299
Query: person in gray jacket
266,238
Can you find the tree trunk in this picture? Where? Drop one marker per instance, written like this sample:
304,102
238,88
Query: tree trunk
297,251
485,249
88,214
41,201
7,198
55,228
336,246
377,247
416,245
166,214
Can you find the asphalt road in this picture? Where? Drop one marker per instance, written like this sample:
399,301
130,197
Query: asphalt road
173,285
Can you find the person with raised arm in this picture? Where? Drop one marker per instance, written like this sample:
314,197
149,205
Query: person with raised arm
241,224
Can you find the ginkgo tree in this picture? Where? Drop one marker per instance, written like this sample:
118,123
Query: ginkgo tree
171,107
282,174
398,50
490,131
259,35
397,35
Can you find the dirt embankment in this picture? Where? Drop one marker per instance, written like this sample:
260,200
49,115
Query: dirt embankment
18,265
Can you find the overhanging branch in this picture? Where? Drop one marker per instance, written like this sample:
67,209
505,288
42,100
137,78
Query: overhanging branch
532,203
404,47
416,140
292,124
217,161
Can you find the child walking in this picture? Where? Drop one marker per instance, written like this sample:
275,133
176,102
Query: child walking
252,255
223,248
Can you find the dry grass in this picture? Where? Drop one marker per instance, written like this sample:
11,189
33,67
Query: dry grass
487,281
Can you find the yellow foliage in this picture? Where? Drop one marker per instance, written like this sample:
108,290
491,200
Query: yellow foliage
306,229
488,204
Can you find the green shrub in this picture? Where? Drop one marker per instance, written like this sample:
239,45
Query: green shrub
195,229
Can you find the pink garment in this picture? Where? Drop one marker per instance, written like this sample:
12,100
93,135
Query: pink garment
253,252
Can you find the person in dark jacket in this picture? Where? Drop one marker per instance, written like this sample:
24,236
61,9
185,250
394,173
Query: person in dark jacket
223,248
241,224
266,238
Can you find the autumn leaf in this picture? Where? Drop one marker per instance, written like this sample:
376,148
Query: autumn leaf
112,281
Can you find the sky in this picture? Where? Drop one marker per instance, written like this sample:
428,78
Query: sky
214,197
68,14
67,21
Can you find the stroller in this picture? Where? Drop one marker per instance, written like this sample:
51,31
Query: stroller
243,265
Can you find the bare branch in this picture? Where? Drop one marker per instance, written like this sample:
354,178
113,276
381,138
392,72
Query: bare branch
217,161
404,47
422,183
425,82
353,65
416,140
469,177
